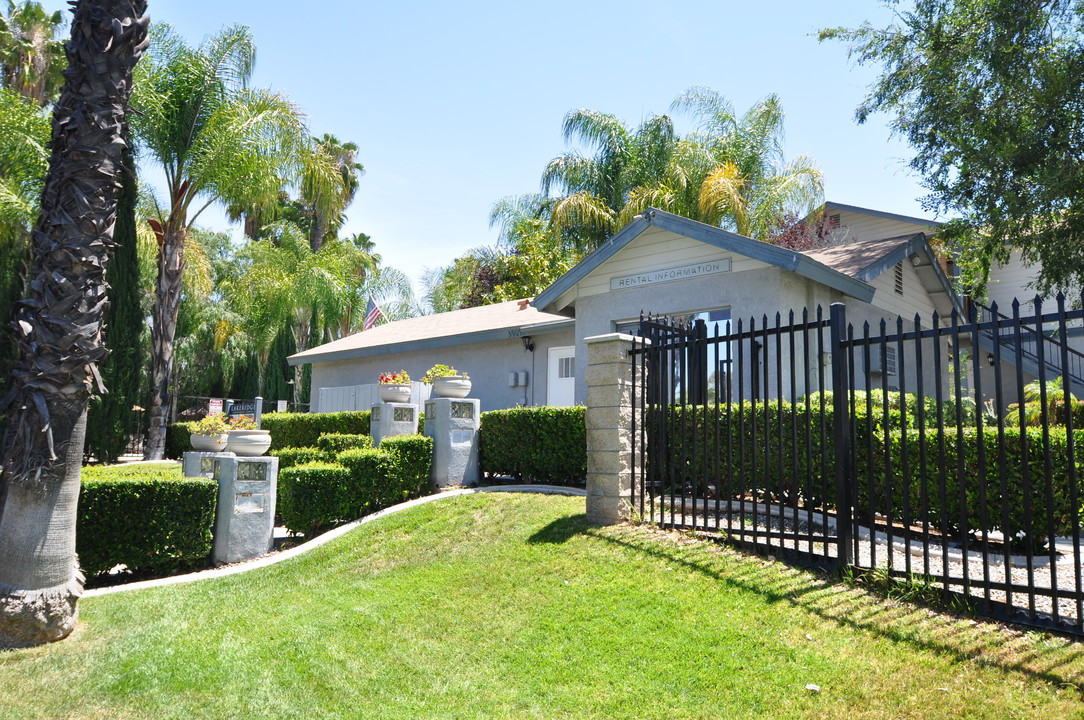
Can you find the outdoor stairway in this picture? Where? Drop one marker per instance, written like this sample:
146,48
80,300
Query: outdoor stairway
1030,348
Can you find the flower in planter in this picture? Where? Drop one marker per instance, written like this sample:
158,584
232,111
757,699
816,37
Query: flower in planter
212,425
394,378
439,371
242,422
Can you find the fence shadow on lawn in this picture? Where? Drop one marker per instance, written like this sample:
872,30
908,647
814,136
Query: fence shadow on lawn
1055,659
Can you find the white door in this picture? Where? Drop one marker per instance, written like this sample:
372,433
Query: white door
561,378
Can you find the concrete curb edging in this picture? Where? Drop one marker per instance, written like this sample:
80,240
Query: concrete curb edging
329,536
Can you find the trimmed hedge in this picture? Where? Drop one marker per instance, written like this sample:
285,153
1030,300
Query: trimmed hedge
146,517
335,443
320,495
1026,506
315,496
289,457
305,429
287,429
785,451
542,444
411,460
371,471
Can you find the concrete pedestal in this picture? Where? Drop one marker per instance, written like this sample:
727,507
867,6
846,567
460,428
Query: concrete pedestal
202,464
453,424
391,419
245,518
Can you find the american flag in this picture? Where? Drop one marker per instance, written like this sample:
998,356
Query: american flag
372,314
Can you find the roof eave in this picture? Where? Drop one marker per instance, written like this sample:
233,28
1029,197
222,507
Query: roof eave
503,333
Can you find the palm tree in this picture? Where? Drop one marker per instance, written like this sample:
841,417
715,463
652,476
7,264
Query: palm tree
596,188
288,286
737,168
217,140
731,172
24,136
60,326
328,186
30,53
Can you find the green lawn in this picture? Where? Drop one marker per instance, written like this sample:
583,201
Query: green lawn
511,606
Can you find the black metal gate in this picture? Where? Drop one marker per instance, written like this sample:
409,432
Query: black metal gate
911,450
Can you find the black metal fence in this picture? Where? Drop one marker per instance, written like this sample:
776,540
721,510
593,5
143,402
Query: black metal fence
941,451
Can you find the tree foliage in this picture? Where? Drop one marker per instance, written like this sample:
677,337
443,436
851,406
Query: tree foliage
217,140
31,53
990,94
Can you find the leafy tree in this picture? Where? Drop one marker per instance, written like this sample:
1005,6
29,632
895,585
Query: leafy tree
805,233
287,286
60,326
217,140
31,55
990,95
24,134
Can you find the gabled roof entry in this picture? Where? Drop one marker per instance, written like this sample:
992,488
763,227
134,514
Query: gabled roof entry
784,259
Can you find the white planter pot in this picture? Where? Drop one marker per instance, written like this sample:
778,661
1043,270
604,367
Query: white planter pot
395,393
208,443
452,386
249,443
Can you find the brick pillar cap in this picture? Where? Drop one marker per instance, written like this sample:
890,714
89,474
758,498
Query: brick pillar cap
609,337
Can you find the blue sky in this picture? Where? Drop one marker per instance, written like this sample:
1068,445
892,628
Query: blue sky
455,105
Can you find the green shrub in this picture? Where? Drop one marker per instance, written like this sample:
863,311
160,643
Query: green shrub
146,517
786,452
316,496
305,429
411,460
289,457
177,442
1026,505
371,472
335,443
542,444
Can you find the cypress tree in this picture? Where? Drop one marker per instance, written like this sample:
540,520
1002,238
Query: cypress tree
111,417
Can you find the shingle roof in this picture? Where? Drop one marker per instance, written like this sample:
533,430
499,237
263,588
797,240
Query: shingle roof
856,258
457,324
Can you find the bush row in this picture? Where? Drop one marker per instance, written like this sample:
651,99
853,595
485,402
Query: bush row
287,429
317,495
147,517
957,491
542,444
786,451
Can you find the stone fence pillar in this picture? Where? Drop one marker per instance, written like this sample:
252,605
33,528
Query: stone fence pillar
609,428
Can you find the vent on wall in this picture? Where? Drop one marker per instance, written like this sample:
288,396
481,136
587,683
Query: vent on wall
899,278
833,221
885,363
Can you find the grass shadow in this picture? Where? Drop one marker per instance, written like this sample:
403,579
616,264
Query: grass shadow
1056,659
560,531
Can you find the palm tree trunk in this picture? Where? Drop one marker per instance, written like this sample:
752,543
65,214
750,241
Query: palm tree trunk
167,306
59,326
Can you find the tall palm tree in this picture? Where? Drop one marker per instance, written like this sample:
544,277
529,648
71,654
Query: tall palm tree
217,140
594,189
288,286
730,172
60,326
30,53
329,185
738,169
